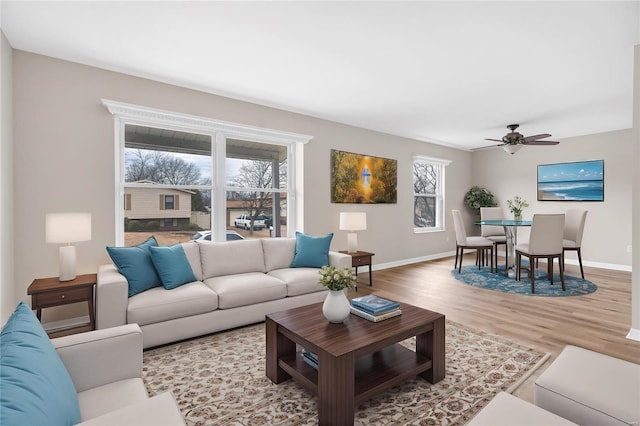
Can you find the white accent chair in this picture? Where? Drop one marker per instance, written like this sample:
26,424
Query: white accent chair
494,233
463,242
573,230
590,388
545,241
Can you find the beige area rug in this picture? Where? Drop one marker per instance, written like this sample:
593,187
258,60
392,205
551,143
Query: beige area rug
220,380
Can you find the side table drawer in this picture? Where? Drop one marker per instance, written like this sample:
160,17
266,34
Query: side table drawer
361,260
61,297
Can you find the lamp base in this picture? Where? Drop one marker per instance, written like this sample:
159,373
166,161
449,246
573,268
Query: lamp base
67,263
352,242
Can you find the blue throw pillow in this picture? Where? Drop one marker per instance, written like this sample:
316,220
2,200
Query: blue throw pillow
311,251
35,387
136,265
172,266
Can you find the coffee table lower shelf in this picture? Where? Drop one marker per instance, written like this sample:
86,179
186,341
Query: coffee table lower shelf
374,372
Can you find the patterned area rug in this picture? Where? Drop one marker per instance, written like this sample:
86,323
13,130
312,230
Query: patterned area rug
220,380
575,286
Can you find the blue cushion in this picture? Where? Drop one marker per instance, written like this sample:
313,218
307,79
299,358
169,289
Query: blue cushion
311,251
35,387
172,266
136,265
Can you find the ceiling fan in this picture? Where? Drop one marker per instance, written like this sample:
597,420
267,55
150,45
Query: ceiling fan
513,141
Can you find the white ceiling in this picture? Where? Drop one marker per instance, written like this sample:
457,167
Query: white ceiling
445,72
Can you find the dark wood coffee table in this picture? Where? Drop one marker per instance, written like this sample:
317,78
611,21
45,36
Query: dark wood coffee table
357,359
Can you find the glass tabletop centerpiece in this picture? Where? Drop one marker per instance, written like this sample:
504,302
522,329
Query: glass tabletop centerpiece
516,205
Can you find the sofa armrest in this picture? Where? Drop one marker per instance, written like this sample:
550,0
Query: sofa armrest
101,357
339,260
159,410
112,297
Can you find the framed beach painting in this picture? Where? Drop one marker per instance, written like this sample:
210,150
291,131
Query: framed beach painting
579,181
363,179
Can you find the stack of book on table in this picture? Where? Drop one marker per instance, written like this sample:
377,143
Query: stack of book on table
374,308
310,358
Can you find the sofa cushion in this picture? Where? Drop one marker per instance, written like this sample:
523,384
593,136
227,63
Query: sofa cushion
299,280
161,409
136,265
231,257
311,251
192,251
246,289
104,399
159,304
172,266
35,387
278,252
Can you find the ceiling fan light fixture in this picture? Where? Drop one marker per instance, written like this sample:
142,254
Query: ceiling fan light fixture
511,149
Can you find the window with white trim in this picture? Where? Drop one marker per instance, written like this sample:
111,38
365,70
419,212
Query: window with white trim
428,193
191,173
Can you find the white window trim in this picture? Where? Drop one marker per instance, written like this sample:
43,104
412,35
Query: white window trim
219,131
440,193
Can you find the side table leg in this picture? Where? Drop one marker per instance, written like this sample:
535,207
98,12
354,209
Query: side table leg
432,345
336,389
39,314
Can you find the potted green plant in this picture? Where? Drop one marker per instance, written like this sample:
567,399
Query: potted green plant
478,197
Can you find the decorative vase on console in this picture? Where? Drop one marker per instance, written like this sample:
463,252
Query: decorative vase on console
336,307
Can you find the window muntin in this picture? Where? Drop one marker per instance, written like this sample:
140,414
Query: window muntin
428,193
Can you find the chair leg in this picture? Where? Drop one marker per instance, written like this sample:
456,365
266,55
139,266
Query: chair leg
455,265
533,288
550,269
518,265
562,273
461,256
580,262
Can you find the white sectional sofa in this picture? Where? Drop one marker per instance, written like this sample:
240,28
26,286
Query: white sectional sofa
237,283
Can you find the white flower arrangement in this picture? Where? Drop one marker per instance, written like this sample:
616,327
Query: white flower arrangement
336,279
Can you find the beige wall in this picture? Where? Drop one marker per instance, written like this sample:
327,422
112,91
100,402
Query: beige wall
7,296
608,228
64,150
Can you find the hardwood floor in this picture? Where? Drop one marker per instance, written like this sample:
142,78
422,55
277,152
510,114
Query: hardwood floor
598,321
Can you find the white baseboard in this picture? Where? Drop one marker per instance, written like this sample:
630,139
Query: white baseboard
634,334
66,323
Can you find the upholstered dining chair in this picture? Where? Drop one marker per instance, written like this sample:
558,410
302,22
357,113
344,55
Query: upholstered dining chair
573,229
545,241
494,233
463,242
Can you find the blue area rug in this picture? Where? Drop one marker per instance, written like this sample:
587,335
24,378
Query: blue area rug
500,282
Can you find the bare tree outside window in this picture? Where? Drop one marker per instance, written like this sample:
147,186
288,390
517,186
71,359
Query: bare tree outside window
428,191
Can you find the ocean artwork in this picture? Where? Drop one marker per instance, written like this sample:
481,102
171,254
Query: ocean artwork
579,181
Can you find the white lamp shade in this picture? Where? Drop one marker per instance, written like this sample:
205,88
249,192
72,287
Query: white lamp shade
68,227
353,221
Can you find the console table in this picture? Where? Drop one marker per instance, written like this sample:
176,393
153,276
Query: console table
361,258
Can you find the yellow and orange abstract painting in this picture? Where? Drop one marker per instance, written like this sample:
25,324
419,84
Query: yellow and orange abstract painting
362,179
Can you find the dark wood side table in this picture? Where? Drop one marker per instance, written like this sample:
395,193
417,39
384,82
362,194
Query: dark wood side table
49,292
361,258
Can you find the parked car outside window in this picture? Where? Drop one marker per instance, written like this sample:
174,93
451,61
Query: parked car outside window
244,221
206,236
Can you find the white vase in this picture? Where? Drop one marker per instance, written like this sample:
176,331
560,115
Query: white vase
336,307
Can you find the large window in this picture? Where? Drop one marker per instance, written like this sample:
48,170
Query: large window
428,193
180,177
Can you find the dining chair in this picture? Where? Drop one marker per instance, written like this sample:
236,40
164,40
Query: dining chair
545,241
480,244
494,233
573,230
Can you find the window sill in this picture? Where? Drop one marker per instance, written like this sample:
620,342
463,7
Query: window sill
427,230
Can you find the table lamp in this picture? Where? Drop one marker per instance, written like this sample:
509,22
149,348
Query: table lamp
67,228
352,222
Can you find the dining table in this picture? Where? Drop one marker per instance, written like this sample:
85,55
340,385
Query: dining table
511,232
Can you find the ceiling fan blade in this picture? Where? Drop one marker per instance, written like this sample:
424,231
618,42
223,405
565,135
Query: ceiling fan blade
540,142
487,147
495,140
536,137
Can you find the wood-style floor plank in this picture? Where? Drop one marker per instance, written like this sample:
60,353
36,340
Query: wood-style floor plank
598,321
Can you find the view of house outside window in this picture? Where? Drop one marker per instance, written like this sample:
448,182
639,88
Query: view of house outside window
428,193
168,185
